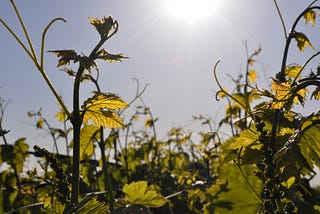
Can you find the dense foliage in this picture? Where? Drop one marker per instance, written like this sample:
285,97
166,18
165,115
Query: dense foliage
116,167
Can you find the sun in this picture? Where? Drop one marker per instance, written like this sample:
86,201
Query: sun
191,10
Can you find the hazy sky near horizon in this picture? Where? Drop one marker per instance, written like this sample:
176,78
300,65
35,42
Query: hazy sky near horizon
176,57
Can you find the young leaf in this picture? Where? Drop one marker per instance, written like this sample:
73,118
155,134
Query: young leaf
293,71
103,54
253,76
103,26
302,41
316,93
99,109
137,193
66,56
310,16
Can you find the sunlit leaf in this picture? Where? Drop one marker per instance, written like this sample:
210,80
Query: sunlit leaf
88,135
302,41
137,193
283,93
253,75
94,206
103,26
40,123
246,138
293,71
66,56
103,54
240,194
288,183
310,144
316,93
20,151
61,116
100,107
310,16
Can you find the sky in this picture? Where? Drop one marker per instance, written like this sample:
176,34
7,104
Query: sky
174,55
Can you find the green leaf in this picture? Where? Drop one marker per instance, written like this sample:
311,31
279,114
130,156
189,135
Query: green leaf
100,109
302,41
310,144
66,56
103,54
310,16
246,138
137,193
239,194
20,151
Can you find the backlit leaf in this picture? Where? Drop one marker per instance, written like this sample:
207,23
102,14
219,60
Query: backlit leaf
40,123
137,193
88,135
293,71
246,138
238,195
94,206
302,41
20,151
316,93
66,56
283,93
103,54
253,76
310,16
103,26
310,144
288,183
100,107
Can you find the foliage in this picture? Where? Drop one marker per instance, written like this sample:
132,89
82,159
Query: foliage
265,166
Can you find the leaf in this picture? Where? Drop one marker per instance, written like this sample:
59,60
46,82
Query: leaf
40,123
238,194
66,56
88,135
302,41
252,75
316,93
283,93
100,107
288,183
310,144
251,61
310,16
246,138
20,152
93,206
293,71
103,26
137,193
103,54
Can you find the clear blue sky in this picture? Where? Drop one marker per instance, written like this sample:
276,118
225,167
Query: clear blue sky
176,57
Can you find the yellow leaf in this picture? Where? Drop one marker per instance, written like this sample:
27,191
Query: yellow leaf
302,41
288,183
316,93
246,138
139,194
100,110
283,93
293,71
252,76
310,16
40,123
